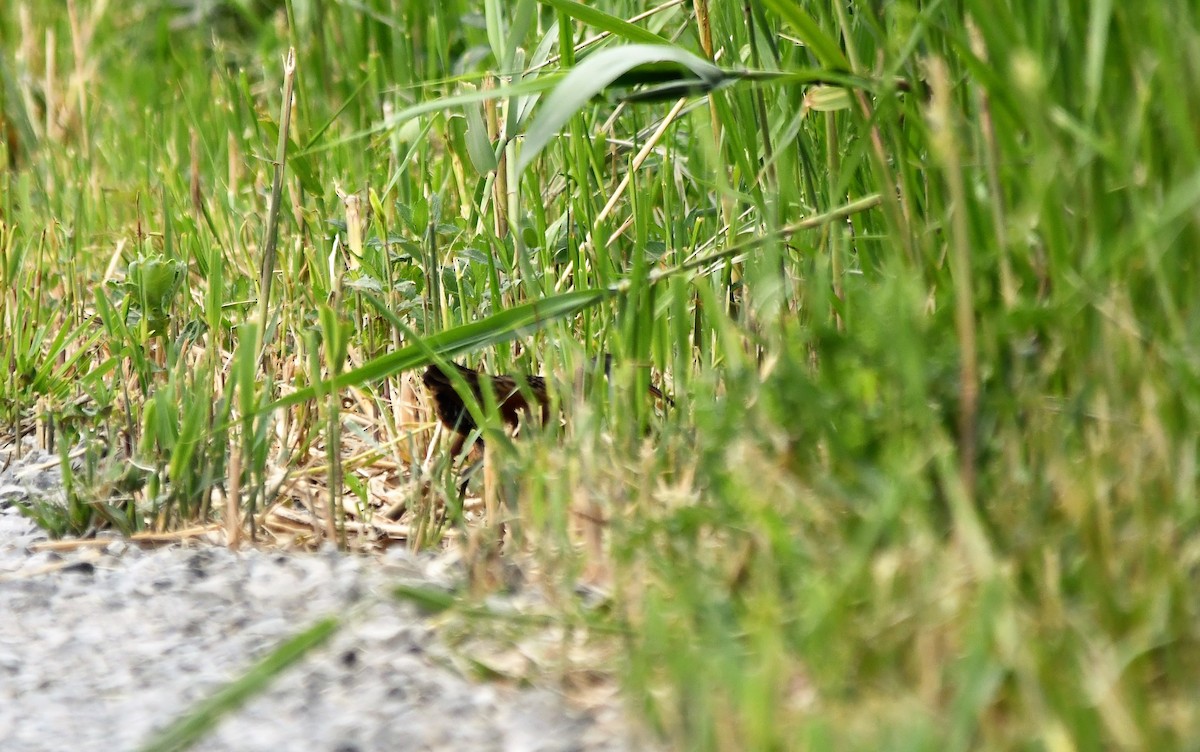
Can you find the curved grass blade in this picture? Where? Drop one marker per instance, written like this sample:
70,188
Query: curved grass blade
525,87
497,328
186,731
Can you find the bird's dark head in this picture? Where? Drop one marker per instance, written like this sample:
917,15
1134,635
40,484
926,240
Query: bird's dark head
436,378
433,376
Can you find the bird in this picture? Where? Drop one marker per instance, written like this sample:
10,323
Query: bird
512,393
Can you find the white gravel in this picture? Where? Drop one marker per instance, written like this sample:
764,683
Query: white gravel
99,648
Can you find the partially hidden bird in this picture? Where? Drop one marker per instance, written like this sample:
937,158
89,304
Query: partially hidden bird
513,396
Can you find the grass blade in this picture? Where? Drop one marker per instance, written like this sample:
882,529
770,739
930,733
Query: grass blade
185,732
606,22
500,327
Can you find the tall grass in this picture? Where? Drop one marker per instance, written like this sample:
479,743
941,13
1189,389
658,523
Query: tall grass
922,286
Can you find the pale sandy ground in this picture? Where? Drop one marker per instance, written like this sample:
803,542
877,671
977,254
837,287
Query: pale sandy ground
101,647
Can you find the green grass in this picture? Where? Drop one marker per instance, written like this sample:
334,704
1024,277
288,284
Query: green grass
924,290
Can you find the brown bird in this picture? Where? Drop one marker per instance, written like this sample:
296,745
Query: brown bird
510,393
512,398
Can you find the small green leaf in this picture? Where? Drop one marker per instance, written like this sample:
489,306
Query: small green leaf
827,99
429,600
474,255
479,146
152,283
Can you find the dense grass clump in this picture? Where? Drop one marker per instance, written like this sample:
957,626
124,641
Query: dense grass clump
920,279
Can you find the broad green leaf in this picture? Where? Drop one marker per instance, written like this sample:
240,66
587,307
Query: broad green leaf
596,73
154,280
